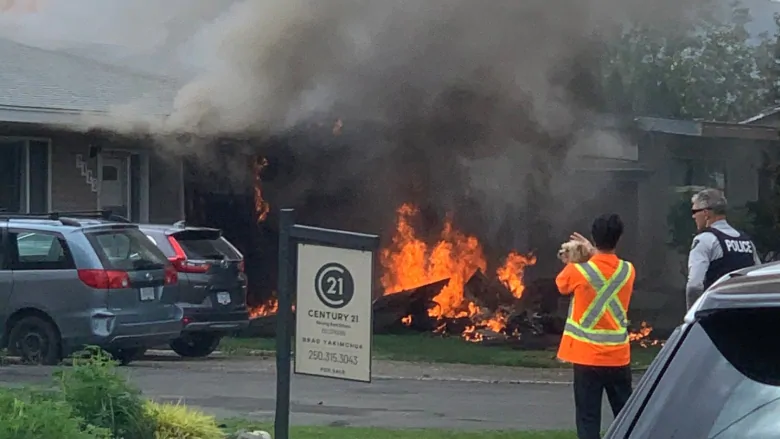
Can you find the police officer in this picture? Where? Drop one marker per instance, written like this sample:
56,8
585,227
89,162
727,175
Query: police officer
718,248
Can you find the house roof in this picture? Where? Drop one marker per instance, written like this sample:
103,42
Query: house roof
768,112
708,129
44,86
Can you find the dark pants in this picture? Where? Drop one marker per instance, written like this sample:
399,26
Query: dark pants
590,382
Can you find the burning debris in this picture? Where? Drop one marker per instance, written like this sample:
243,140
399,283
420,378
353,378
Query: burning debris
446,288
267,309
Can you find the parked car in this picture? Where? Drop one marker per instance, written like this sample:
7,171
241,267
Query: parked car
66,283
718,376
212,284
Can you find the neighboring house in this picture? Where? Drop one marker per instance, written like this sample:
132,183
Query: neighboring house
684,155
46,166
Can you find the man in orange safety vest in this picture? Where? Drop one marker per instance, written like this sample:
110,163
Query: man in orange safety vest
595,338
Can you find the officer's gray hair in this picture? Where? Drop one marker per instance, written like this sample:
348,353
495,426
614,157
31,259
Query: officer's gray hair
712,199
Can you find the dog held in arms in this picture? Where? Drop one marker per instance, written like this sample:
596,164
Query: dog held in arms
575,252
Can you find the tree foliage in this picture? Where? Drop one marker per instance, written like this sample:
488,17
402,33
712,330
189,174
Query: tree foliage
710,69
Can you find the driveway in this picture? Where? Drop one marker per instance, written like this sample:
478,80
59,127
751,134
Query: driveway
401,394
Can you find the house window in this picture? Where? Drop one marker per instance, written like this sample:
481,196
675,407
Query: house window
692,174
24,175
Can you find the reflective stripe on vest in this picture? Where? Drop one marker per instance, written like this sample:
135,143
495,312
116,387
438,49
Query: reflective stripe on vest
606,301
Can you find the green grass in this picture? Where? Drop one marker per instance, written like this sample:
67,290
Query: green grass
233,425
431,348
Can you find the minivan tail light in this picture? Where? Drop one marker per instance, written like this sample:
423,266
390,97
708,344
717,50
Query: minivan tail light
105,279
181,263
171,276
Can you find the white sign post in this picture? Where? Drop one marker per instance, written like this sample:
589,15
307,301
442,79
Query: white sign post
333,312
331,289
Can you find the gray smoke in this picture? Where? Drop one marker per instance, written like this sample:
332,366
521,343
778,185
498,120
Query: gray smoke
476,107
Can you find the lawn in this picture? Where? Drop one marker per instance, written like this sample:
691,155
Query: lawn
382,433
431,348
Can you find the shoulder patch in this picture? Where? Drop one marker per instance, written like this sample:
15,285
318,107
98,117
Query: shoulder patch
695,243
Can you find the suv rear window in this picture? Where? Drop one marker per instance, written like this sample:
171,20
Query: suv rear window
723,382
206,245
126,249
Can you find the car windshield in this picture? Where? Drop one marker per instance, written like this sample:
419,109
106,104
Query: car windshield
723,382
126,249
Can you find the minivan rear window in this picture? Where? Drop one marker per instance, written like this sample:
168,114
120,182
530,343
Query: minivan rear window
126,249
206,246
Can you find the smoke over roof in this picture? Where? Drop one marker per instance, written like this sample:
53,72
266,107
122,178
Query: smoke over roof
479,101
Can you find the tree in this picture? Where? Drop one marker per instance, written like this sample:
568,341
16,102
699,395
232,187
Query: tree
709,70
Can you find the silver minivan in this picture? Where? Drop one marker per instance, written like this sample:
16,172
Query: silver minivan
66,283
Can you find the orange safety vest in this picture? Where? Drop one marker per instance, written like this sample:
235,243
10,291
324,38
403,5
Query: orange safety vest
596,330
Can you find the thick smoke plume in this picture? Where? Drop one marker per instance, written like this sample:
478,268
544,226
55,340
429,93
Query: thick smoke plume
473,107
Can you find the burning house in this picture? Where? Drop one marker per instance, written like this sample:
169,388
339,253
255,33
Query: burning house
471,138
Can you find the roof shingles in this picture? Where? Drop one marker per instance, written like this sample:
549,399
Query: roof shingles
50,80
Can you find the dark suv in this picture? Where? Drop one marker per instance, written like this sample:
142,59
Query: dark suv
67,282
718,376
212,284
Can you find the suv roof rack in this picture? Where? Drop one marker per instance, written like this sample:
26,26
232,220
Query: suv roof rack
66,217
39,216
106,215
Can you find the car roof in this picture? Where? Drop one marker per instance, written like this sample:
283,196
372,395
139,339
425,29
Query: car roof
752,287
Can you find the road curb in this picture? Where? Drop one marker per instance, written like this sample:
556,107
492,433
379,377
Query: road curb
470,380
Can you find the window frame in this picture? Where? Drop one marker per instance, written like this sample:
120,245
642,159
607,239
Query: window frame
12,252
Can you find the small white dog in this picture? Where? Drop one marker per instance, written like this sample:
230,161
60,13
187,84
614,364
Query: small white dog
575,252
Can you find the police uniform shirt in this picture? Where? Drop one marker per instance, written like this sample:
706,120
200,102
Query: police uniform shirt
704,249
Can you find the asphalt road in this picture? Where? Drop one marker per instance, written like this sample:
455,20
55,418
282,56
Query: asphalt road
401,395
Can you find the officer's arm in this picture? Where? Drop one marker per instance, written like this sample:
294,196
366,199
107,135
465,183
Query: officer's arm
698,263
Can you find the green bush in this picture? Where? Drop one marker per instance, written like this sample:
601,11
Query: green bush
175,421
102,397
35,415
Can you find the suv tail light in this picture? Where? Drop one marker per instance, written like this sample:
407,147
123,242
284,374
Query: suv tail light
182,264
171,276
105,279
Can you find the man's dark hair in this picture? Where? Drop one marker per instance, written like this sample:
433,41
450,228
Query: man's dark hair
606,231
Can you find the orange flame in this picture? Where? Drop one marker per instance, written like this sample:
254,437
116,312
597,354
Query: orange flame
261,206
266,309
408,262
511,273
642,336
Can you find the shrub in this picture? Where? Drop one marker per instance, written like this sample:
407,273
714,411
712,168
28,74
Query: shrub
175,421
102,397
34,415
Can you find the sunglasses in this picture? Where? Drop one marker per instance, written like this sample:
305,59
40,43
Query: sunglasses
695,211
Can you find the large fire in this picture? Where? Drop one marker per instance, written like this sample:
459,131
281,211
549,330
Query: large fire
408,262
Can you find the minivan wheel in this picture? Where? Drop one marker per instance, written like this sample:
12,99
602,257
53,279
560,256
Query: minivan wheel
35,340
197,344
126,356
